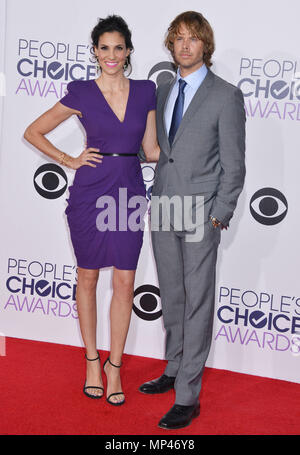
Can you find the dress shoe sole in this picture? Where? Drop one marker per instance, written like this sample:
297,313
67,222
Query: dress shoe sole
156,392
196,413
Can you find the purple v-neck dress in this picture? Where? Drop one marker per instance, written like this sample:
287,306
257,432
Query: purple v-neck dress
121,247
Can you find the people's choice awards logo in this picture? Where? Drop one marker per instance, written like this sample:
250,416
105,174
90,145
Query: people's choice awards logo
146,303
50,181
259,318
268,206
271,88
41,287
45,67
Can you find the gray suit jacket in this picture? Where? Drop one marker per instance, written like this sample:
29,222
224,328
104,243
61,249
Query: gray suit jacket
208,151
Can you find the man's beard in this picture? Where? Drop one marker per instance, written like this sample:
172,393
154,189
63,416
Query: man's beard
187,65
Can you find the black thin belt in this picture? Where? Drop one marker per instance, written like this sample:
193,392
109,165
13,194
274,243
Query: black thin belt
117,154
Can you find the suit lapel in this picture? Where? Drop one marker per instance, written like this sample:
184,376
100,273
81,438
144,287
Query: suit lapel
196,102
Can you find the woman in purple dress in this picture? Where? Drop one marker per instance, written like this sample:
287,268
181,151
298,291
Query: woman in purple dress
118,115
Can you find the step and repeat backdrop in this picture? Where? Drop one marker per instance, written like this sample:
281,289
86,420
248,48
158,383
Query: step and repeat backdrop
257,307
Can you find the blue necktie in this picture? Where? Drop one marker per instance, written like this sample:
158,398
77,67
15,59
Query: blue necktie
177,112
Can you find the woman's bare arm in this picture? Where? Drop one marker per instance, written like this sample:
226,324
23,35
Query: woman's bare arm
35,134
149,142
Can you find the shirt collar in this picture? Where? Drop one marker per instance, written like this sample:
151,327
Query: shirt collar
194,79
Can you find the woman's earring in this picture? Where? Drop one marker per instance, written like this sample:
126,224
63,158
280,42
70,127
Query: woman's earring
97,65
125,66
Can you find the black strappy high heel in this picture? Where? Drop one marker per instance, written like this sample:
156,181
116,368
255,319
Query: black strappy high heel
85,387
115,393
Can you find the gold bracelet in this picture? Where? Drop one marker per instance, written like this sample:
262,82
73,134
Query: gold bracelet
63,158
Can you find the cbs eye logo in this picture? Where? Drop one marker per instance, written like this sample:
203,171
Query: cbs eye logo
268,206
148,177
146,302
50,181
166,72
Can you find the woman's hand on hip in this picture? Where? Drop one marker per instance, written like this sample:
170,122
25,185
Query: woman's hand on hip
86,158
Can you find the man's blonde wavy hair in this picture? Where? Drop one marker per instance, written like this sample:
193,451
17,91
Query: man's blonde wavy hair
198,26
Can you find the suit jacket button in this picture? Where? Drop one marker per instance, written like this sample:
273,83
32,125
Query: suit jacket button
171,160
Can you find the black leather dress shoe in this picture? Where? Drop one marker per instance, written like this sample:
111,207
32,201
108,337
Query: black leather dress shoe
179,416
159,385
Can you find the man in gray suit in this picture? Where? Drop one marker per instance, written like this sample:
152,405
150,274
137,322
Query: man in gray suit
201,133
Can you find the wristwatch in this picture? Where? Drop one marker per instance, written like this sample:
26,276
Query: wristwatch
215,221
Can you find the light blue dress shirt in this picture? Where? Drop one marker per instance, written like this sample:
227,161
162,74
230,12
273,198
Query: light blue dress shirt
193,81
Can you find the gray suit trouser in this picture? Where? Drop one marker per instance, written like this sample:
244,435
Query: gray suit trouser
186,275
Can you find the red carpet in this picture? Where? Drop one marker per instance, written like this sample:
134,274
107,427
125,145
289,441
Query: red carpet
41,394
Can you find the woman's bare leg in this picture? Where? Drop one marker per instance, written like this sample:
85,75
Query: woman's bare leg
87,312
120,314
